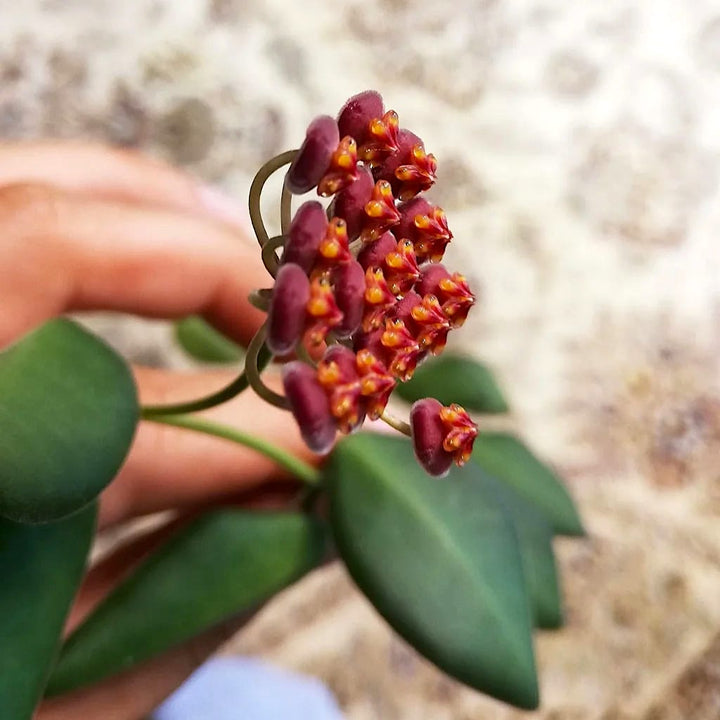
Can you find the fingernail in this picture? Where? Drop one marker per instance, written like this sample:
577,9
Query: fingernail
224,207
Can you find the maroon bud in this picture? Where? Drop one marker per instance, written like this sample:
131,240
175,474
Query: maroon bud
428,434
288,309
306,232
408,212
350,297
313,158
309,405
430,277
406,142
357,113
374,253
349,204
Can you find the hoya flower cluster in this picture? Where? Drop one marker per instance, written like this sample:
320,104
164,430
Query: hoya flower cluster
361,285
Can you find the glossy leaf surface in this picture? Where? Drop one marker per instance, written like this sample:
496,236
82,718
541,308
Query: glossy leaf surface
41,567
534,536
224,563
68,411
203,342
439,559
455,379
505,457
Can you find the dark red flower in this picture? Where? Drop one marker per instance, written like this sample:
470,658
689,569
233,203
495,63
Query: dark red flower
287,313
309,405
428,433
350,297
441,435
338,374
342,169
314,156
307,230
357,113
349,204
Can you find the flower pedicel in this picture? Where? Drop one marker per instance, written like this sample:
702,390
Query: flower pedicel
360,284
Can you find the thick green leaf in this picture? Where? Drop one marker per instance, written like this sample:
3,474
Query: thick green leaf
41,567
203,342
224,563
455,379
439,560
534,536
68,411
505,457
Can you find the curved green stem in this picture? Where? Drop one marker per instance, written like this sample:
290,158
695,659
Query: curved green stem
260,298
285,208
299,468
269,258
256,191
396,423
252,371
238,385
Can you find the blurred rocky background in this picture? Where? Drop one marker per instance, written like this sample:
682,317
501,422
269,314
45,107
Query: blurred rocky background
579,159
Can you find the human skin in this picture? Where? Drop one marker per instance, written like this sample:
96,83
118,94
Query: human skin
91,228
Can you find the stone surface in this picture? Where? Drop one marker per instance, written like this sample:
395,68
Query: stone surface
579,160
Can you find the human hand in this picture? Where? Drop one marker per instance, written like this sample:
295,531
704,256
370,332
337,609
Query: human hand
90,228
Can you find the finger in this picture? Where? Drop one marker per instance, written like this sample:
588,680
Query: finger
171,467
90,254
137,692
115,174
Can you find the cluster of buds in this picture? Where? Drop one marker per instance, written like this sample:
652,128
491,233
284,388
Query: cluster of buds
361,286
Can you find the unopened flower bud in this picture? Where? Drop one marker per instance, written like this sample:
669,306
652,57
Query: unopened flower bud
428,434
314,156
349,204
287,312
307,230
357,112
309,405
350,297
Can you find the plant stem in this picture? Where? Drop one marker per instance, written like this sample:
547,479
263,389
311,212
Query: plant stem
396,423
238,385
285,208
269,258
252,371
299,468
256,191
